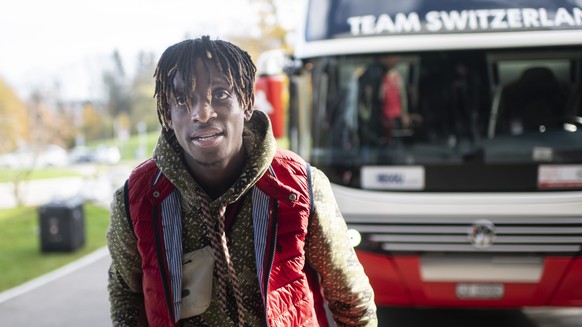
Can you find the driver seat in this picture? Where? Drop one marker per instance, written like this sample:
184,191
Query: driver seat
534,102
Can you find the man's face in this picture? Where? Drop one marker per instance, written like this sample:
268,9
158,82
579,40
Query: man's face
209,121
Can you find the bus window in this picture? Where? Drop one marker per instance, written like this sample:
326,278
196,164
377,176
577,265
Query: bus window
534,94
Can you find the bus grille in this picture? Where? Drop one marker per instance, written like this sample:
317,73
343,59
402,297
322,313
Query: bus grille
526,235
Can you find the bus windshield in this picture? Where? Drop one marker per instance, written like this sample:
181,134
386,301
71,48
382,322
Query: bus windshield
464,120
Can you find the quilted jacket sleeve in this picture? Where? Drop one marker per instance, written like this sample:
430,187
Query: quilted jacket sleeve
124,285
346,287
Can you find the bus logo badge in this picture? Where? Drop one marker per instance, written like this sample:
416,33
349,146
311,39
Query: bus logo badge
482,233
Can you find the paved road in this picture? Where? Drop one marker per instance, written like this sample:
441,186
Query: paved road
540,317
75,295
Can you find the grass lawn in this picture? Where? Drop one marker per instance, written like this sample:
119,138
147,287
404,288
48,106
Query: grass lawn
20,256
129,147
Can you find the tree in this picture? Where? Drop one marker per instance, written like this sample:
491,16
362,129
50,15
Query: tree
116,86
271,33
92,122
13,119
143,105
13,130
51,120
118,98
48,122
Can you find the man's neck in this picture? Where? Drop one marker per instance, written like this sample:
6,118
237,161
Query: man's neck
217,179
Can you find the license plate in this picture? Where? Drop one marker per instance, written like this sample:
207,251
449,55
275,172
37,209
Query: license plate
479,291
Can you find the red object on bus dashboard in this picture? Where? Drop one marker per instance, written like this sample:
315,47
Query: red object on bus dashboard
269,91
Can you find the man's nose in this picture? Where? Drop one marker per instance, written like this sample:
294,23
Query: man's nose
203,111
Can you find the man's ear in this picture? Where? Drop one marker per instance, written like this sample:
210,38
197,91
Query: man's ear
249,108
168,118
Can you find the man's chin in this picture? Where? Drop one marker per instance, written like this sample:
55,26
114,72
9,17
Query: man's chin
208,163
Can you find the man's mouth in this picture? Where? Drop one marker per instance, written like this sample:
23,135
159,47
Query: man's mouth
206,137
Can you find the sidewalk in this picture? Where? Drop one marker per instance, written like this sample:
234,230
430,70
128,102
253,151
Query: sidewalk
75,295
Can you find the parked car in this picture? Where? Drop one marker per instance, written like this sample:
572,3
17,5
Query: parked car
82,154
28,157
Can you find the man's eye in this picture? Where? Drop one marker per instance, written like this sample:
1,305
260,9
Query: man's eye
221,95
180,101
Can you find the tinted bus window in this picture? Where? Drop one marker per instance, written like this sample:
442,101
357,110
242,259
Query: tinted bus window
473,120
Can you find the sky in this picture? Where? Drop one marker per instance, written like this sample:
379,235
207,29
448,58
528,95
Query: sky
45,42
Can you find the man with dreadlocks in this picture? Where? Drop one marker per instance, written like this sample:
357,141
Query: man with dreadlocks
220,227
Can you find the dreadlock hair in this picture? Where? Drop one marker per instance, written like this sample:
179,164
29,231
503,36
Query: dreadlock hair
232,61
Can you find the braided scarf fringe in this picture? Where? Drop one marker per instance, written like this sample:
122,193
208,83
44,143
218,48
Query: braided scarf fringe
224,267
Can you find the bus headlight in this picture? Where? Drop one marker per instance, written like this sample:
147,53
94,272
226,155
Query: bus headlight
355,237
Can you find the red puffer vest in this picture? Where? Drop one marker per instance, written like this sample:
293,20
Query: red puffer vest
290,288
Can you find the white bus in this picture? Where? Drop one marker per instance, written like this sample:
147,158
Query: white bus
452,134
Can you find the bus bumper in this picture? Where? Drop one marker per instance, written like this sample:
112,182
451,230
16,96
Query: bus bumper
398,281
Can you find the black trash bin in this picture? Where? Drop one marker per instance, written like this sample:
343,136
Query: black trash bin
62,225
